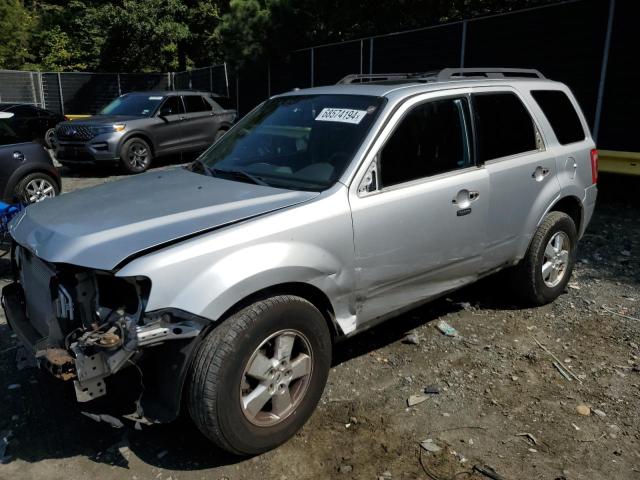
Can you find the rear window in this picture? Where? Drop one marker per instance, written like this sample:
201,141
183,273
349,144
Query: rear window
561,115
195,103
503,125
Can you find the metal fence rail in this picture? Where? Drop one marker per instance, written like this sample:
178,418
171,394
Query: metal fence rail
87,92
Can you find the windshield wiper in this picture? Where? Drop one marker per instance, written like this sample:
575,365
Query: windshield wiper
239,174
200,165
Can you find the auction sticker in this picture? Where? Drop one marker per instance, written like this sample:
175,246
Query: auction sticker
343,115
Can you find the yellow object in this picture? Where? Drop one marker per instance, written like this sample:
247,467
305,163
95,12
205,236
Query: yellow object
626,163
76,117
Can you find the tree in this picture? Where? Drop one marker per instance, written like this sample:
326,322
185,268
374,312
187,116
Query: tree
16,24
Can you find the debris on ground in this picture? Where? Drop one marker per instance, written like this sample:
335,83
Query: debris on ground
411,339
416,399
431,390
447,329
430,446
113,421
558,361
599,413
529,436
345,468
487,471
583,410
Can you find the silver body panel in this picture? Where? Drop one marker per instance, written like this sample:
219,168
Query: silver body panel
206,244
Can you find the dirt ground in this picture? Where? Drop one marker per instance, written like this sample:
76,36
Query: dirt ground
495,385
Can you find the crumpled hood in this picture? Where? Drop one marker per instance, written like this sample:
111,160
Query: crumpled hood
100,227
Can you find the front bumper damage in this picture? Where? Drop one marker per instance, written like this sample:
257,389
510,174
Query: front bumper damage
87,326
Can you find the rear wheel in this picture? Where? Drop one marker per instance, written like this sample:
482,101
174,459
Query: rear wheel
219,134
50,138
36,187
136,155
258,376
544,272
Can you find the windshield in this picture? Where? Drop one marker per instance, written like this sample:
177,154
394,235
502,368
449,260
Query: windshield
300,142
133,105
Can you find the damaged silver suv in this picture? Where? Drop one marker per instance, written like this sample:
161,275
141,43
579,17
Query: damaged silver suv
319,214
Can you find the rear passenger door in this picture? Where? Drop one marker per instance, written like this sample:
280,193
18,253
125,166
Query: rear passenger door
200,123
522,172
419,227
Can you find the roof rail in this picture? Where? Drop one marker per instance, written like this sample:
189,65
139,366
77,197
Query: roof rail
381,77
453,73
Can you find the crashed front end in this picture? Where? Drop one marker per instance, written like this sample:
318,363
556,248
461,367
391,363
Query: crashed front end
86,325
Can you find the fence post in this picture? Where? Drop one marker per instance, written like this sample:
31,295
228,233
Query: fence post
312,65
361,52
269,78
61,97
371,56
119,86
238,93
44,102
33,89
211,79
463,44
226,78
603,70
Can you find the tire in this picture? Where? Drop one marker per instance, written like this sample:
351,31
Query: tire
535,286
135,155
35,187
219,134
222,375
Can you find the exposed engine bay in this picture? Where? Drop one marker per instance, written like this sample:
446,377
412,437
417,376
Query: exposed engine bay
85,325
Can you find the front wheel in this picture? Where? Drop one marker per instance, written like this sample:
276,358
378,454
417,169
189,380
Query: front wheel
258,376
544,272
136,155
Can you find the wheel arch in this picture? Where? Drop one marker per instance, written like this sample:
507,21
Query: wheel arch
137,134
572,206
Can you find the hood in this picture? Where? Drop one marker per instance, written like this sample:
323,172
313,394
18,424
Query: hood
102,120
101,227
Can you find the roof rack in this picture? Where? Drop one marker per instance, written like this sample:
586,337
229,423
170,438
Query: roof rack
453,73
445,74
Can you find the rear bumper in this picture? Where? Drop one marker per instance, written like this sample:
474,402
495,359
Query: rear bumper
588,206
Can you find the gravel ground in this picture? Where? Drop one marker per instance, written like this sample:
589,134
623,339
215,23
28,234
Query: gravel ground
501,401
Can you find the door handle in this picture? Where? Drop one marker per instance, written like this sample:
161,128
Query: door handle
464,198
540,173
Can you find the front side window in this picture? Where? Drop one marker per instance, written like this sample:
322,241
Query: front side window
561,115
503,126
300,142
171,106
432,138
133,105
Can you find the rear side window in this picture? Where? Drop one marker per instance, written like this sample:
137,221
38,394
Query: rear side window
195,103
561,115
503,126
431,139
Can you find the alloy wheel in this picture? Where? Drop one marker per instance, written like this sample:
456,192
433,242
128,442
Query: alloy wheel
276,378
556,259
39,189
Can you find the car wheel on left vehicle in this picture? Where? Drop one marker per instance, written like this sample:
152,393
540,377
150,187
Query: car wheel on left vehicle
36,187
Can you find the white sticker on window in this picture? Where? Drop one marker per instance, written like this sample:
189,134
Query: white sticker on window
155,98
344,115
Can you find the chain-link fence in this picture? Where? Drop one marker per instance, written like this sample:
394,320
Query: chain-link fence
87,92
588,44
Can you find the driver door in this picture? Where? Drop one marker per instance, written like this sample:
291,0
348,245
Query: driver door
419,224
168,129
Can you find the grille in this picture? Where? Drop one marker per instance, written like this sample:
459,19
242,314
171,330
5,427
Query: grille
36,277
74,132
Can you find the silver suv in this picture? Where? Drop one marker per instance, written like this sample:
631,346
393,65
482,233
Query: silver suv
321,213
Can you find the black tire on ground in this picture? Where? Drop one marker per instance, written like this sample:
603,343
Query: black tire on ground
35,187
528,275
49,138
217,376
135,155
219,134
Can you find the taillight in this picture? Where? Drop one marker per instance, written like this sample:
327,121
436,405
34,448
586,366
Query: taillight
594,166
66,118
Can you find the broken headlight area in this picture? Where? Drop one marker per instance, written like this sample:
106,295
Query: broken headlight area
86,325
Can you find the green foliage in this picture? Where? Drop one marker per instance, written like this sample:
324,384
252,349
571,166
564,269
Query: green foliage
165,35
16,24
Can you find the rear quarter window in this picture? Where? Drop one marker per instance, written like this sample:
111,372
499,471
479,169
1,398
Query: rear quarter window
561,115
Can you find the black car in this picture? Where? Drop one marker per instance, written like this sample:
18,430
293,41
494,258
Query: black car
32,122
139,126
27,173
